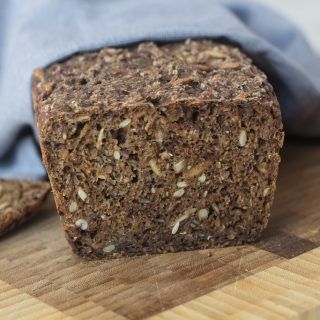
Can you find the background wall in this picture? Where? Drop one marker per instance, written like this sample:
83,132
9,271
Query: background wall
304,13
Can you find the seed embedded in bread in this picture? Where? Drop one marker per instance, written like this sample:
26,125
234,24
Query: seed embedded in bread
202,178
175,228
179,166
82,224
154,167
182,184
124,123
82,195
242,138
179,193
73,207
109,248
116,155
203,214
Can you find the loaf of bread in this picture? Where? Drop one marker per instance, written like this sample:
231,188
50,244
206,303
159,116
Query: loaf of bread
19,201
159,148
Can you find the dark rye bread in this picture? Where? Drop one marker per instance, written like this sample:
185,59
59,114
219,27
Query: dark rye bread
19,201
159,148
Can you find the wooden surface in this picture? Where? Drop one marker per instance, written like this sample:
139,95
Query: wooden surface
277,278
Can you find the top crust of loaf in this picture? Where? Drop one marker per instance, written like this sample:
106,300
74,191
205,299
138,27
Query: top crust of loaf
112,78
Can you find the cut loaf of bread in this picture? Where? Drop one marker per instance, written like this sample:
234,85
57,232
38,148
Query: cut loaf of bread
159,148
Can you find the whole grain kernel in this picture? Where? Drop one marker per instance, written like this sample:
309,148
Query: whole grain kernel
82,195
189,211
124,123
202,178
109,248
100,138
82,224
181,184
81,118
153,189
262,167
116,155
203,214
73,207
215,208
154,167
266,192
159,137
165,155
183,217
4,205
205,193
149,124
198,169
179,193
179,166
242,138
175,228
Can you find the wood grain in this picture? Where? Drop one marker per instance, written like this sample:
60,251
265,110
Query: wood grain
277,278
287,291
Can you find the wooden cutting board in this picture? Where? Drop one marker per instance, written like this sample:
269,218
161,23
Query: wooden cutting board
277,278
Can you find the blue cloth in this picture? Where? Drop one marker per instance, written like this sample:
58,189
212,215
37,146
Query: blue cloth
39,32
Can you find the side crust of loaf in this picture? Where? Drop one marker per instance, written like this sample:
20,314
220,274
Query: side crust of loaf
159,148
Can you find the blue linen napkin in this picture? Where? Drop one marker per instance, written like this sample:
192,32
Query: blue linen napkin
39,32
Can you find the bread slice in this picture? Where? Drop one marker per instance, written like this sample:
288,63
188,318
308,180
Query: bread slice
19,201
159,148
